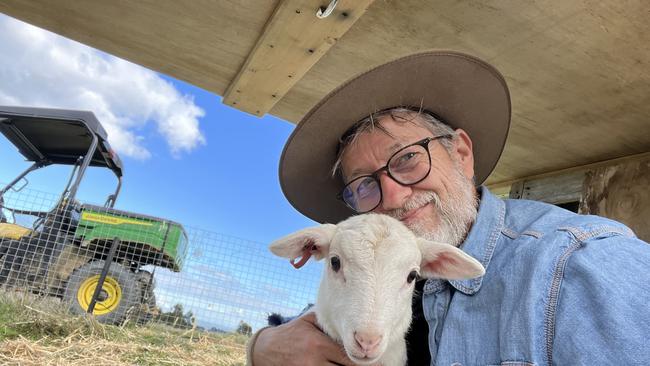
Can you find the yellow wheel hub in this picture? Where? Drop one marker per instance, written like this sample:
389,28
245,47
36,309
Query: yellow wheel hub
108,299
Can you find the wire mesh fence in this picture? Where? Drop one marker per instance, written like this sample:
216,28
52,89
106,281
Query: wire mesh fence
127,267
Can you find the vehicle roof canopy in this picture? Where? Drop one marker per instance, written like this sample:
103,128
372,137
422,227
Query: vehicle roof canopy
57,136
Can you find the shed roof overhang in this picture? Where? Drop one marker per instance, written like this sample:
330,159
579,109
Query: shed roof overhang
579,72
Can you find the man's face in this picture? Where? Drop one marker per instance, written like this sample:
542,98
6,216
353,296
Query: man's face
441,207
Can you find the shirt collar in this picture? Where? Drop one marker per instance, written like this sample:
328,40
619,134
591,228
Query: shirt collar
480,241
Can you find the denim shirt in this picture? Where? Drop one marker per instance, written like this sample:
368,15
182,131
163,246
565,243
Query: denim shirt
559,288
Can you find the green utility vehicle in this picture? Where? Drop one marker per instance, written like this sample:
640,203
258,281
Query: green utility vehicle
70,249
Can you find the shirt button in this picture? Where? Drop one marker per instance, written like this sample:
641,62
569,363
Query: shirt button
456,364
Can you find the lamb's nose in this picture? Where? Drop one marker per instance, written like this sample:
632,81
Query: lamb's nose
368,341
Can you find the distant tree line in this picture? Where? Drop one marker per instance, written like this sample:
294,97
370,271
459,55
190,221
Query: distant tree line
178,318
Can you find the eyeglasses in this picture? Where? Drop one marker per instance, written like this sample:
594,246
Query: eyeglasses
407,166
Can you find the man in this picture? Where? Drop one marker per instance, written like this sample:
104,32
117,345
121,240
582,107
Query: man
412,139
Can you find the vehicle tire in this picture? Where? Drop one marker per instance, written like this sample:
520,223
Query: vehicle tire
147,309
11,259
4,248
120,292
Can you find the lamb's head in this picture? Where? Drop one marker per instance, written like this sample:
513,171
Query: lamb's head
372,261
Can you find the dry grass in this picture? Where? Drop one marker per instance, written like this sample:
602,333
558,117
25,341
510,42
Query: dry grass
39,331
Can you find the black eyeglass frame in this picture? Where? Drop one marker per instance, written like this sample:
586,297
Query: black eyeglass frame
375,175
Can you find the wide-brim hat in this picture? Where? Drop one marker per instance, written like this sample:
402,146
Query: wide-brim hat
464,91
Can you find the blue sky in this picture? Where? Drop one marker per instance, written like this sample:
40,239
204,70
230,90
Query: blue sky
187,157
226,182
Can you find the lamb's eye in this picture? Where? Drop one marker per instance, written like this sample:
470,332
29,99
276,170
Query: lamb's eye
412,276
336,263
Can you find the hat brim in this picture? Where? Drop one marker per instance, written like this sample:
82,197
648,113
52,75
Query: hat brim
463,90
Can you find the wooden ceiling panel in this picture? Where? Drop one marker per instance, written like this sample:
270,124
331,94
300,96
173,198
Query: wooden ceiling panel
294,39
578,71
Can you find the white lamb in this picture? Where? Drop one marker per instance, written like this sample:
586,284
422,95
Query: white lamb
364,299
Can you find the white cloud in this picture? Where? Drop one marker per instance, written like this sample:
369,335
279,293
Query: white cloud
41,69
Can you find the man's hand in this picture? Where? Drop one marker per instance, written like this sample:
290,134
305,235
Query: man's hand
299,342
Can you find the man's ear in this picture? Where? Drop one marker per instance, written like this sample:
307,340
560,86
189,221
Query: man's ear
465,154
305,243
446,261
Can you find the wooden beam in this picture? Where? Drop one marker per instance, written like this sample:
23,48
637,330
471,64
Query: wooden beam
507,184
293,40
557,189
562,186
620,192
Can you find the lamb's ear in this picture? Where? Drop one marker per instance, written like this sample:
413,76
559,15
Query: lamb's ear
446,261
305,243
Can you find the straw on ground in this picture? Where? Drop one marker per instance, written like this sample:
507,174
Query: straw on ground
39,331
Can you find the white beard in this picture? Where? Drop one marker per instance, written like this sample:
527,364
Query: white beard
456,214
